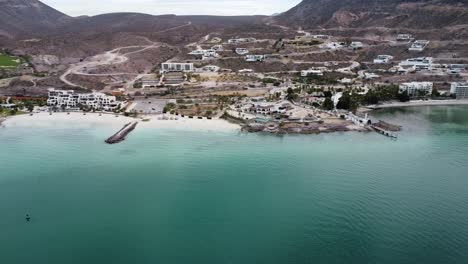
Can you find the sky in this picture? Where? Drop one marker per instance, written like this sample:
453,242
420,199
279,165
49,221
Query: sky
178,7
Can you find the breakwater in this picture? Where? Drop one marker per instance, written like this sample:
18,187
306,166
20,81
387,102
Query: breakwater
122,134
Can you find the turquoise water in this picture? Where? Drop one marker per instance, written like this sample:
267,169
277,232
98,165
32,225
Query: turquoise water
166,196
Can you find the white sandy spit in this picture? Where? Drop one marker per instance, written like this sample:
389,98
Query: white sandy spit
78,120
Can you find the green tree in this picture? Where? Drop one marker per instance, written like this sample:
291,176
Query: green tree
328,104
403,97
291,95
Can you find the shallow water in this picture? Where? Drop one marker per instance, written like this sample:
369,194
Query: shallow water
167,196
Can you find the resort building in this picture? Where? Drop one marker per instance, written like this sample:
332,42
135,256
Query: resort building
173,78
266,108
177,67
359,119
70,99
382,59
417,88
150,81
419,45
8,104
460,90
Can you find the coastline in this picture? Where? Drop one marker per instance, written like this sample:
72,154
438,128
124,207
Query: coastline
90,120
418,103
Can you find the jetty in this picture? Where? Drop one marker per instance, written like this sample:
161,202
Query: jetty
122,134
386,129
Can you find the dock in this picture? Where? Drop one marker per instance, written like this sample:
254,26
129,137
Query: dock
122,134
386,129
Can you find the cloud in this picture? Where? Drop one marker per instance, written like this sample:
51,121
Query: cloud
179,7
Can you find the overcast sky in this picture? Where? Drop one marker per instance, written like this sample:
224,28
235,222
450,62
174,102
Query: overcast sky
178,7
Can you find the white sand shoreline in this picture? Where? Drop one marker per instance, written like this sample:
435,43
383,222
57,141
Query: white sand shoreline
78,120
420,103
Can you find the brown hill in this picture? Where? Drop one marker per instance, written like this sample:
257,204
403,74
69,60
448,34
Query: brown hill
18,17
429,14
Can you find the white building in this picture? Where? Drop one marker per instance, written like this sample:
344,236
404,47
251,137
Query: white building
317,72
242,51
205,54
176,67
254,58
70,99
211,68
333,45
419,45
460,90
456,68
308,37
245,71
266,108
382,59
404,37
217,48
356,45
359,119
417,88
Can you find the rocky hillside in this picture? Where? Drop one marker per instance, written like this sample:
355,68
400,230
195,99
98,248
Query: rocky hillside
19,17
428,14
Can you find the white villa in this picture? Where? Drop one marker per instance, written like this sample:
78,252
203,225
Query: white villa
308,37
404,37
70,99
217,48
333,45
312,71
460,90
241,40
205,54
418,64
382,59
356,45
177,67
254,58
419,45
417,88
456,68
242,51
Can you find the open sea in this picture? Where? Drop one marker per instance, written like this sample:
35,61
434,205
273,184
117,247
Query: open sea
177,197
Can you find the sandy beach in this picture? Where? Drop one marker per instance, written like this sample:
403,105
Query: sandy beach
419,103
90,120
